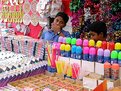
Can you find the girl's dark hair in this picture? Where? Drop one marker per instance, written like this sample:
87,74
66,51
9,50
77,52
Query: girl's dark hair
98,27
63,15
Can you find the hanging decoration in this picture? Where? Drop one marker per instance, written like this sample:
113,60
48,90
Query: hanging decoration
43,7
26,19
1,17
26,6
108,11
75,5
21,1
11,16
33,6
34,19
56,6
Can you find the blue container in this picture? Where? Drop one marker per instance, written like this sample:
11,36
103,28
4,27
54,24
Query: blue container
73,52
78,52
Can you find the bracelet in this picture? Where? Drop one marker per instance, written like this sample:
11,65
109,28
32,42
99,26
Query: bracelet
58,33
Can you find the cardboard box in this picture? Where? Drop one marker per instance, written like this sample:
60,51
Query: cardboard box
88,66
99,68
111,83
91,81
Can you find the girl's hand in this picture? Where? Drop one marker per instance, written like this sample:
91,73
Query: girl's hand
56,28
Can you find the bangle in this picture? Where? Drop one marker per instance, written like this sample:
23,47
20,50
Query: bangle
58,33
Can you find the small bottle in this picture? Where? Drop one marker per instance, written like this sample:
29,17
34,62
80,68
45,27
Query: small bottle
91,43
99,44
114,57
118,47
104,45
64,40
119,58
107,70
79,42
67,50
107,55
86,53
92,54
100,54
73,41
68,40
60,39
85,43
78,52
115,71
62,50
73,52
111,46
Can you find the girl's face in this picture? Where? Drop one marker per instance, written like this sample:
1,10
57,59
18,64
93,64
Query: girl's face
59,22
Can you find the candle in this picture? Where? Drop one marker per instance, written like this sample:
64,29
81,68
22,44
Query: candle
69,71
62,66
53,57
75,70
65,68
58,67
